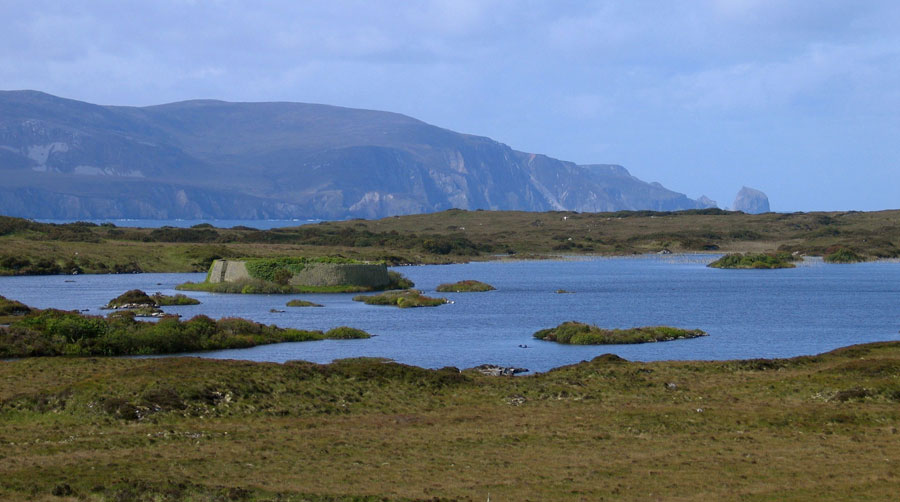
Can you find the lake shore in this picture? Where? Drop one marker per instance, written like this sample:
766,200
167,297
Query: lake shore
453,236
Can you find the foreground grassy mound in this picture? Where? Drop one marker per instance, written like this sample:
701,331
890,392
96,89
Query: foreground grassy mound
577,333
54,332
12,307
467,286
755,261
10,310
403,299
819,428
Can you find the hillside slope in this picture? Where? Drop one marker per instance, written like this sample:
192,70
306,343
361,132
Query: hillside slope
61,158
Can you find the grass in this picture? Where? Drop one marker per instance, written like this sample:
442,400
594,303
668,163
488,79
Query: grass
755,261
467,286
577,333
302,303
803,429
403,299
446,237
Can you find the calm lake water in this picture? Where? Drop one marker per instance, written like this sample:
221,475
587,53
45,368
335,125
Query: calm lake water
257,224
748,313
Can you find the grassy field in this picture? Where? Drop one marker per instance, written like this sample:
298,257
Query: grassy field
449,236
810,428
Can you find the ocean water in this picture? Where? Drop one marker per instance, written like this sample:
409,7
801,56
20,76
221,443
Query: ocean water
747,313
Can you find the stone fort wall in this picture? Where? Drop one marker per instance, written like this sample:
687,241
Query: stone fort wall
314,274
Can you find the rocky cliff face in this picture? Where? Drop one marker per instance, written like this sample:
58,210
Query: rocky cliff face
210,159
751,201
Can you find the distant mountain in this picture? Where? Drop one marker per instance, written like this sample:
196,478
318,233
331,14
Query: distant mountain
61,158
751,201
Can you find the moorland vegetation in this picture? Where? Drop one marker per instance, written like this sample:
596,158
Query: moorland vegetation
28,247
814,428
52,332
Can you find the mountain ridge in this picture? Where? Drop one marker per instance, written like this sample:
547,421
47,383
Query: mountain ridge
209,158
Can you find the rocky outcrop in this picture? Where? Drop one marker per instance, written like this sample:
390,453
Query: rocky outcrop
751,201
495,370
62,158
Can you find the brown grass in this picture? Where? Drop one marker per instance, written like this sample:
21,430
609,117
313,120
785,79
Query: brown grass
754,430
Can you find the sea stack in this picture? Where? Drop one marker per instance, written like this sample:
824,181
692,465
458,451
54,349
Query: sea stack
751,201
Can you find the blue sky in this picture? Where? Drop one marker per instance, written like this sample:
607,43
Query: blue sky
800,99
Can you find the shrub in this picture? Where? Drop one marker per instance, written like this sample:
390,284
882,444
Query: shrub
844,255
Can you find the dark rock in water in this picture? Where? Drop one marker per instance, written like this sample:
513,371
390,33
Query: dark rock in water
494,370
751,201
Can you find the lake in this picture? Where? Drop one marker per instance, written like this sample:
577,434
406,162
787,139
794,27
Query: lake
142,223
747,313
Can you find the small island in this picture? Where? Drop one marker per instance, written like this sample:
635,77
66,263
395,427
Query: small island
136,298
755,261
577,333
144,305
52,332
467,286
403,299
303,303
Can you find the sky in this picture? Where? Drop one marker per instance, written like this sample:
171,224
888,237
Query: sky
799,99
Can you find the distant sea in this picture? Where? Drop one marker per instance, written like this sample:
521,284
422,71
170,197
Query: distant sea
257,224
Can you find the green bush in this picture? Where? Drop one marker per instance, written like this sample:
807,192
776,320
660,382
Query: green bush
844,255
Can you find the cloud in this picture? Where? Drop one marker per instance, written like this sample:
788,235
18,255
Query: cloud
658,83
